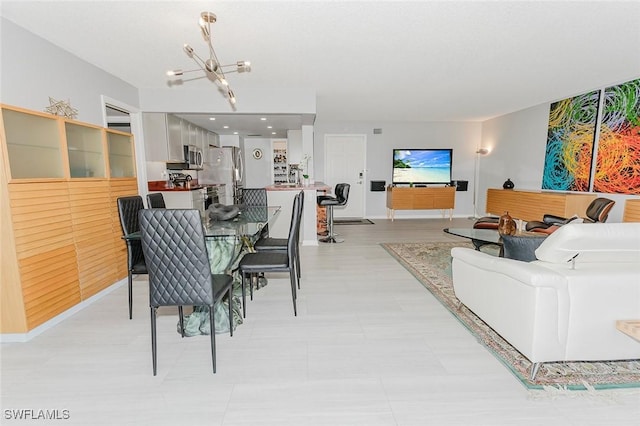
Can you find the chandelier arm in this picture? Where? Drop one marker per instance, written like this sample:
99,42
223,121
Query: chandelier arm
198,60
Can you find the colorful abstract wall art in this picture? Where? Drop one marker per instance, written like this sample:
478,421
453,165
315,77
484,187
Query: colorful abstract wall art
570,139
617,168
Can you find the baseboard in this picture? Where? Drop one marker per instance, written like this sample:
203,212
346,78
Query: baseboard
313,242
25,337
421,216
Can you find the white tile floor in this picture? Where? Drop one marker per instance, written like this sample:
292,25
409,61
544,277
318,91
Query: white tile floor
370,346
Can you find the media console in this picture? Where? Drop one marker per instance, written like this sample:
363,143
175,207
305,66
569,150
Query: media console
420,198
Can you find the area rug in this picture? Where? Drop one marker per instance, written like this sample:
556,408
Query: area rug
352,222
430,263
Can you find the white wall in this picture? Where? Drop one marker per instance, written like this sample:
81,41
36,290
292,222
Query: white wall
34,69
258,172
464,138
518,142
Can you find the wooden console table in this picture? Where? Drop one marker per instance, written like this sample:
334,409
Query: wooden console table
630,328
533,205
420,198
631,210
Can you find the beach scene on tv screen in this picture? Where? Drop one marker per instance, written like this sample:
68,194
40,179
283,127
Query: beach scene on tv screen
421,166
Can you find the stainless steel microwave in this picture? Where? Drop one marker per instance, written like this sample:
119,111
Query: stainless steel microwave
193,157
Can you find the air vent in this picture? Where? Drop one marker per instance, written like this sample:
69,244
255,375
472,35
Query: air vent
254,136
377,131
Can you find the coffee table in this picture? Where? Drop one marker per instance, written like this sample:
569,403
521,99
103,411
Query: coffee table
478,237
481,237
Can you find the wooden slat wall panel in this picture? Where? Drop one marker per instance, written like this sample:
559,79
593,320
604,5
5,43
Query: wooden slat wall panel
532,205
120,188
631,210
44,244
90,206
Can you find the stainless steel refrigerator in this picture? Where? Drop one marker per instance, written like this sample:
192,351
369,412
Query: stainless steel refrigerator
225,165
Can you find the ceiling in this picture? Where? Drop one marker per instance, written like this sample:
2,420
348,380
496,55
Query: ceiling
373,61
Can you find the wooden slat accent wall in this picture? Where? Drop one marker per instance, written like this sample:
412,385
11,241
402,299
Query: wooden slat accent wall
533,205
631,210
120,188
12,315
90,202
45,249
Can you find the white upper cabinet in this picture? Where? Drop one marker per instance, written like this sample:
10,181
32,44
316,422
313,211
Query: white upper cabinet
166,134
156,140
176,134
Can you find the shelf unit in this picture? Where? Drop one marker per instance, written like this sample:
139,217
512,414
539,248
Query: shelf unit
61,238
280,165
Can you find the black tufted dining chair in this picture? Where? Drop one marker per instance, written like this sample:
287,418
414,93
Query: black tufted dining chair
256,197
128,208
280,244
155,200
253,264
179,270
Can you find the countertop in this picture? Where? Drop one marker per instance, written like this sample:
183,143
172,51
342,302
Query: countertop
163,185
318,186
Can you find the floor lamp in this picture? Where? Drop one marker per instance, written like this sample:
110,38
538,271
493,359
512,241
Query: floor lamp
476,177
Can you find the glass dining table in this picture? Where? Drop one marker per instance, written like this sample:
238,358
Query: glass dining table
227,241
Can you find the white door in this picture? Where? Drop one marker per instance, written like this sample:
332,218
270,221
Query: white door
345,161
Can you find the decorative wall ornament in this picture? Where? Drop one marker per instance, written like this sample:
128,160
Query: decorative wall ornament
618,160
570,139
61,108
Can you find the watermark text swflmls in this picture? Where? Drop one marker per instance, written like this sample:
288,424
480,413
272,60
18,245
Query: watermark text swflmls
36,414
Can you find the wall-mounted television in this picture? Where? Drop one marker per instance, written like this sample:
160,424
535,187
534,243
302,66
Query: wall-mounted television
422,166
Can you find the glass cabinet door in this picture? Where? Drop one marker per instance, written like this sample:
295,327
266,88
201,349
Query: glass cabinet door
33,145
86,157
121,159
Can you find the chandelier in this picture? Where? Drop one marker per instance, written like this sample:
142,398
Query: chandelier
212,67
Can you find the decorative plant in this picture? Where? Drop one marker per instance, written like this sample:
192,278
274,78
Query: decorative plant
305,161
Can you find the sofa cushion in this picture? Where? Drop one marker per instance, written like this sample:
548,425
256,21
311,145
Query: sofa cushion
592,243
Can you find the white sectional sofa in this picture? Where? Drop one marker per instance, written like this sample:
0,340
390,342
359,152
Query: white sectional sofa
563,306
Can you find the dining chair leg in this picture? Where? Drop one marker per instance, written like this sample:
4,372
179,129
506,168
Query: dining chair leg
252,279
181,316
212,323
294,296
244,296
130,282
297,275
230,295
154,353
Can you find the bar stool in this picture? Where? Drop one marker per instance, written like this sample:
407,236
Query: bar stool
342,195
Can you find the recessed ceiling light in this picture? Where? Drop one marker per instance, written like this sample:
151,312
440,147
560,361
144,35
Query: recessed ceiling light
273,133
235,133
269,127
212,118
263,118
225,127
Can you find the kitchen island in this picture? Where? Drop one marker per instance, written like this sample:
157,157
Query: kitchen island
282,195
190,195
